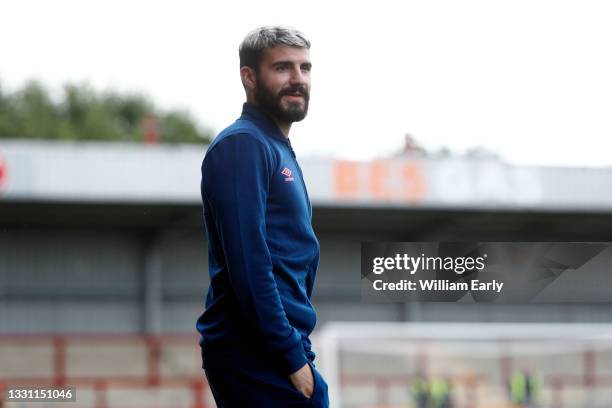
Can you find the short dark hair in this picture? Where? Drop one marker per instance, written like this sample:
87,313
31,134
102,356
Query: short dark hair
252,47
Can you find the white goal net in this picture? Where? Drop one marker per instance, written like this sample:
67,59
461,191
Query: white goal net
375,364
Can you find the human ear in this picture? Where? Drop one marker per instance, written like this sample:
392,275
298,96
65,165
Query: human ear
247,75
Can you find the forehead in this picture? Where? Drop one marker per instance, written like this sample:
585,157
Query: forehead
286,53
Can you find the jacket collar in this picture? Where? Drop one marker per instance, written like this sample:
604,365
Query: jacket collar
264,121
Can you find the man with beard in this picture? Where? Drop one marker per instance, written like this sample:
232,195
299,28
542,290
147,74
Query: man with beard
262,250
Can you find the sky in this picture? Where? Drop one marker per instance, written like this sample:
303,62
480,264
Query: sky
528,80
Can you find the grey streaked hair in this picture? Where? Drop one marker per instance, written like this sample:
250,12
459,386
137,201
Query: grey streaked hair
252,47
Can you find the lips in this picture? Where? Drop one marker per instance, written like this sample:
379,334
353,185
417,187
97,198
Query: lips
295,91
294,97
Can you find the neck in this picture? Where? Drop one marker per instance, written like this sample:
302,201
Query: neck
285,127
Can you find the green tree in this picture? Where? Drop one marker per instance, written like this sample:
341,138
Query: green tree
84,114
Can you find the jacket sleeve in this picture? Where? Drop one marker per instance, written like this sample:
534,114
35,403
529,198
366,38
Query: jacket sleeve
235,179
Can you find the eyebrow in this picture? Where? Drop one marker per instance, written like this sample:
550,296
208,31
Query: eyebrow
284,62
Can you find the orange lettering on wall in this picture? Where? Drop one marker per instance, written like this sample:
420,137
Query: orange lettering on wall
346,177
380,180
379,176
415,185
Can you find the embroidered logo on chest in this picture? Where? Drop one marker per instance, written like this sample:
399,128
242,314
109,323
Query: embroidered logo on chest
287,173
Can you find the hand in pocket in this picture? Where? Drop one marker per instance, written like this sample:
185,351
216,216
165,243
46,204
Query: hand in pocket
303,380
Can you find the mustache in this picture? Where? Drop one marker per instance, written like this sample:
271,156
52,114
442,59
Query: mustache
298,89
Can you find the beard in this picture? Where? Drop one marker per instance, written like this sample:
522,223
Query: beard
272,103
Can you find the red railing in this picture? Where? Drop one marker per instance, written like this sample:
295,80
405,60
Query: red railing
193,381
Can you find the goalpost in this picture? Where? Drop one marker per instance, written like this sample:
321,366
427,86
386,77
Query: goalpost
371,364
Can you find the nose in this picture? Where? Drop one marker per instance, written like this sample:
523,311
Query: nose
298,76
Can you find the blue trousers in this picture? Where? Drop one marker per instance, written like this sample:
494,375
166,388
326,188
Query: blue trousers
262,386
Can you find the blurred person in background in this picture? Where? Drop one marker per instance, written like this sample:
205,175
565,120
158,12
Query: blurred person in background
431,393
524,387
419,389
440,393
263,252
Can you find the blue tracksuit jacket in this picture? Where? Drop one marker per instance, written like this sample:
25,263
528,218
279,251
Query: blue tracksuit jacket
263,253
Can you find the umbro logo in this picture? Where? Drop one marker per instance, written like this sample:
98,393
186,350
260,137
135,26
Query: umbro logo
287,173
